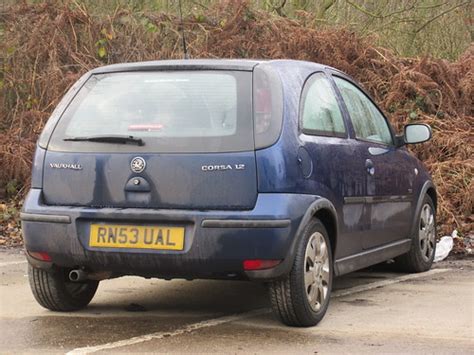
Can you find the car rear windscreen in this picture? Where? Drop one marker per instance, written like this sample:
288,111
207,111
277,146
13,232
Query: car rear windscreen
171,111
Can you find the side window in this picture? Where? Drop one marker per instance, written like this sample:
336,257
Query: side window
320,110
369,124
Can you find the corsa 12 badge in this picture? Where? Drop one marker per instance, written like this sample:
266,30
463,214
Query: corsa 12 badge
223,167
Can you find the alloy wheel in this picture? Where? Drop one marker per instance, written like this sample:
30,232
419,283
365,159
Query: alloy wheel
316,273
427,234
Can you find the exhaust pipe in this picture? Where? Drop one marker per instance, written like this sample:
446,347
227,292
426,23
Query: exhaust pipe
79,275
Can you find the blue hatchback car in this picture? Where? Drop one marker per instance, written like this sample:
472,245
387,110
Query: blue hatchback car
279,171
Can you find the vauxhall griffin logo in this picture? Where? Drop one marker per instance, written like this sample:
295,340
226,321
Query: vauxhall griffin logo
138,164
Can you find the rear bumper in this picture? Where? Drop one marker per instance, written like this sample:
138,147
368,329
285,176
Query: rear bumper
216,242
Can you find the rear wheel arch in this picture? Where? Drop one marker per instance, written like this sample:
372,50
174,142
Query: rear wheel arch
329,220
324,210
320,209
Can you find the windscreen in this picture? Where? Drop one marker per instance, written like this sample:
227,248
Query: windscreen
171,111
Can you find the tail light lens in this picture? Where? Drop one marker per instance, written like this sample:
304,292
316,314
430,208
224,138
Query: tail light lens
39,255
259,264
263,109
268,106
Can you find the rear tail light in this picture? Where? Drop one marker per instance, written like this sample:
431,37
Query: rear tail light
259,264
267,105
39,255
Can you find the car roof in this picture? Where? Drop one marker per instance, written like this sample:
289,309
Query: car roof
199,64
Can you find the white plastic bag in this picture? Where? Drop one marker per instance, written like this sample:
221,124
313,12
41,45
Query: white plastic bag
444,246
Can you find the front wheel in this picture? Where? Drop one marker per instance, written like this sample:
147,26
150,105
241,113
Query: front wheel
421,254
53,290
302,298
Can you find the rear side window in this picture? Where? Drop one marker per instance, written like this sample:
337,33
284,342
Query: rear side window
179,111
369,124
320,113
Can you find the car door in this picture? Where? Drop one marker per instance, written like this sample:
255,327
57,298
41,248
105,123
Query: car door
337,167
389,177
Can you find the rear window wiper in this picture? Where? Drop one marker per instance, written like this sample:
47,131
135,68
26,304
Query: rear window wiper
108,139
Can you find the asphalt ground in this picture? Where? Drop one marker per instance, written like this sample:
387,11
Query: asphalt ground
371,311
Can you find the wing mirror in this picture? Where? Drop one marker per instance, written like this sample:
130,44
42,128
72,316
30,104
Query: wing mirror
415,133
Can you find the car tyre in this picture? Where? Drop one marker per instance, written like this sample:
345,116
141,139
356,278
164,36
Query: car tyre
421,254
302,298
53,290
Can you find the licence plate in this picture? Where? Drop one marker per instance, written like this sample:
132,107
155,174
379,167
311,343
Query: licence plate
136,237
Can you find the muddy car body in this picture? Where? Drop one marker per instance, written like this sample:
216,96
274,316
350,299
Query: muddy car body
277,171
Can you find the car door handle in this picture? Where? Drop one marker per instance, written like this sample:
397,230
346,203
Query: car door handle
369,166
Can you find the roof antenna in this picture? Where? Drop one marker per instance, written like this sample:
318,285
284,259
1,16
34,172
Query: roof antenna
182,31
